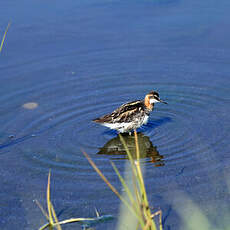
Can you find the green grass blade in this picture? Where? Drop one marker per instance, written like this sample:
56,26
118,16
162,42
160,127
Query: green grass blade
109,184
129,155
136,190
4,36
129,194
139,188
145,204
44,226
133,164
139,172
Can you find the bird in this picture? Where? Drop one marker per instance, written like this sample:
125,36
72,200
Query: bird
132,115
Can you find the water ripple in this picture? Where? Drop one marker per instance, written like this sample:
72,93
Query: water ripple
67,127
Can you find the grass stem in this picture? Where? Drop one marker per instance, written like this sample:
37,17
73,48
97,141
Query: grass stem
4,36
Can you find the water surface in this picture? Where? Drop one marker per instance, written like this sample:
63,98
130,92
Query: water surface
66,63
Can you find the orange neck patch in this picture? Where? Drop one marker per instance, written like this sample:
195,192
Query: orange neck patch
147,104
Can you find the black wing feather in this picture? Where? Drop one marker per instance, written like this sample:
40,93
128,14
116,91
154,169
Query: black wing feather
123,113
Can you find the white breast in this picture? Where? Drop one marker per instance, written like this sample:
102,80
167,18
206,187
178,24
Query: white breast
145,119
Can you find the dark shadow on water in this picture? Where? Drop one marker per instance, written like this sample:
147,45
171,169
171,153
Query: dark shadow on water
115,148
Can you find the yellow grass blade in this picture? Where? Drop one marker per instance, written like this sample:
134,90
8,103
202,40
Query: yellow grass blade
148,224
44,226
136,201
73,220
137,145
145,204
68,221
142,185
158,213
101,175
97,213
129,156
108,183
4,36
55,217
141,198
48,201
137,192
42,209
136,170
139,172
127,151
51,216
132,199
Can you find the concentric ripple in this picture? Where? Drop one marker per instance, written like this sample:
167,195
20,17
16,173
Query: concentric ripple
61,125
53,133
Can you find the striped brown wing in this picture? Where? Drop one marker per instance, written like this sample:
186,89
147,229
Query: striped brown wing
124,113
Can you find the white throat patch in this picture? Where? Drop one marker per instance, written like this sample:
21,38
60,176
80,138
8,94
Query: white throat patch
152,101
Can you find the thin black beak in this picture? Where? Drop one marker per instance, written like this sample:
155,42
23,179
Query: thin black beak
162,101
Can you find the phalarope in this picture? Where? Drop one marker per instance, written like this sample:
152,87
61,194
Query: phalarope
131,115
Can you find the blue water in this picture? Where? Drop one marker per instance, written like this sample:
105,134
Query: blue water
77,60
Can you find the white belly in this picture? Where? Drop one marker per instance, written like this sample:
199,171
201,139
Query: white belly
129,126
121,127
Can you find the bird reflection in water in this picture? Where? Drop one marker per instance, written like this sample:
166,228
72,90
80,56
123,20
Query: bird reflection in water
148,151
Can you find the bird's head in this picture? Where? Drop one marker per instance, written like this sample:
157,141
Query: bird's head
152,98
